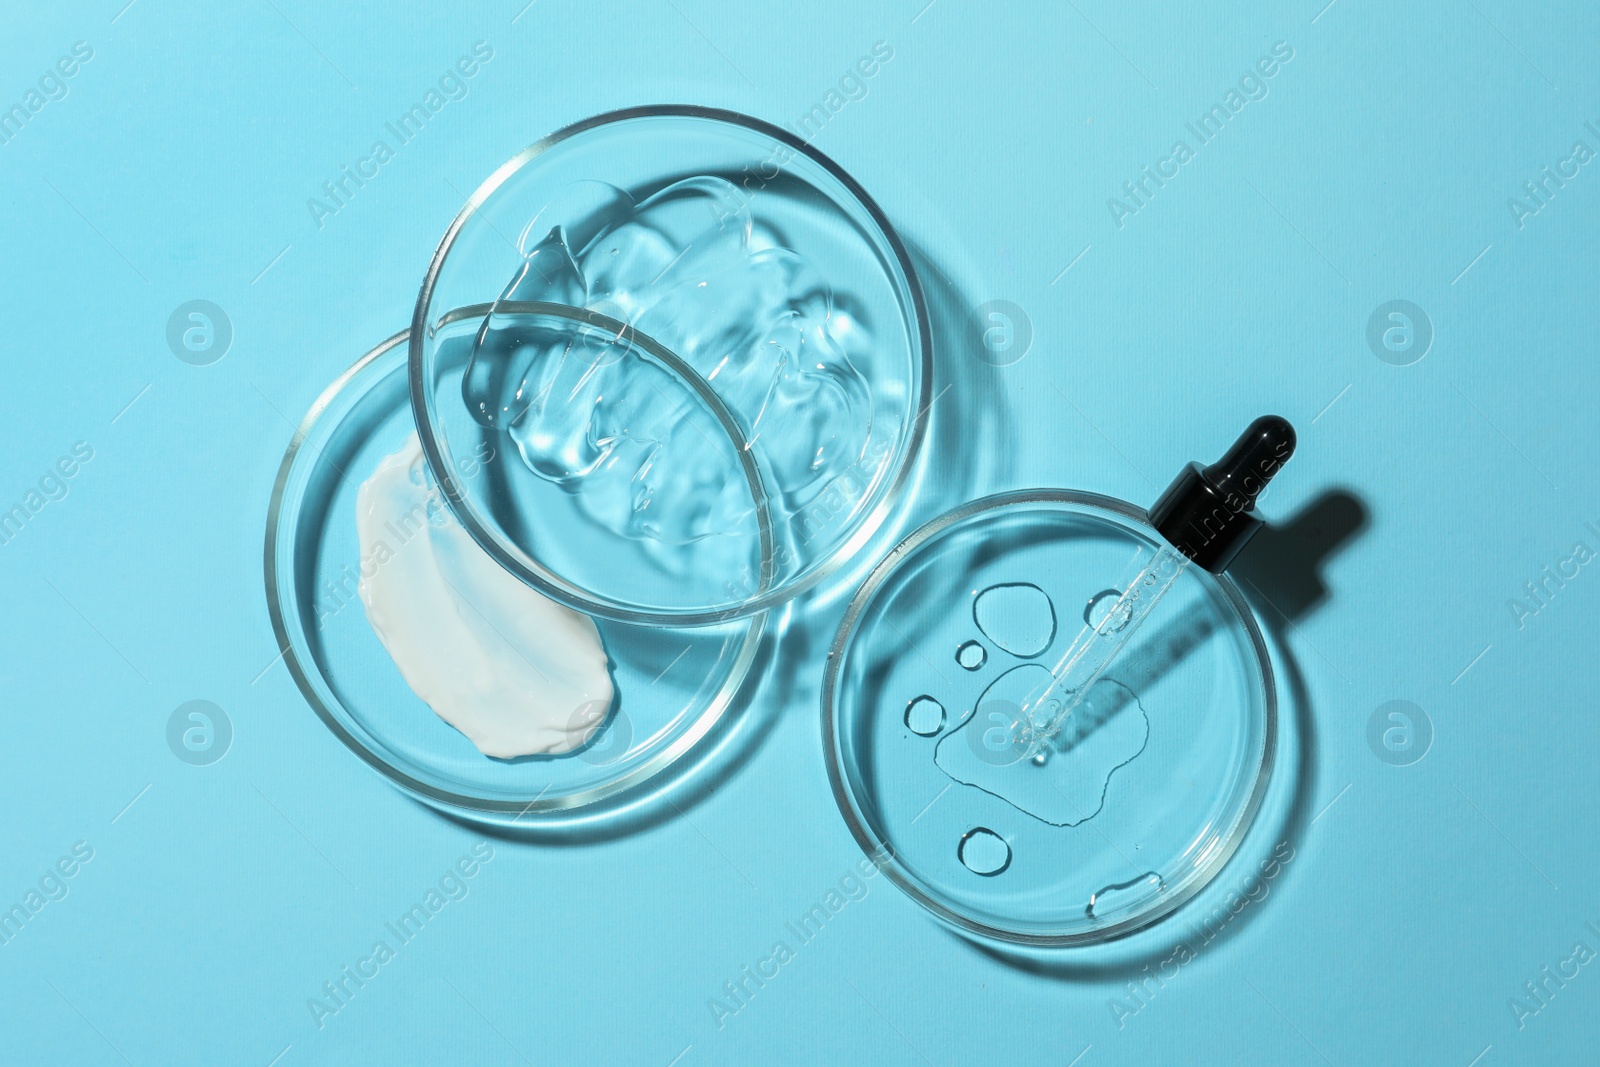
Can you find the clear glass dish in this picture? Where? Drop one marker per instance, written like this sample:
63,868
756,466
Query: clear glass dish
832,437
1140,801
673,685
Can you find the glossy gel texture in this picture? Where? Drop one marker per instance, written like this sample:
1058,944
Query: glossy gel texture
755,320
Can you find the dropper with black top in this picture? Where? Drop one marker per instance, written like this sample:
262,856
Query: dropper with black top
1208,513
1204,517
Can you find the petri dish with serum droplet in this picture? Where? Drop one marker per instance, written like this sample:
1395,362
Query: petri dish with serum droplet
1128,811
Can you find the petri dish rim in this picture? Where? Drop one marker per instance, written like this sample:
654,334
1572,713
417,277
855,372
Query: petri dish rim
881,851
547,581
557,809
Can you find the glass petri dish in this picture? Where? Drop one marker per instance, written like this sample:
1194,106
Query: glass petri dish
1144,796
673,685
759,263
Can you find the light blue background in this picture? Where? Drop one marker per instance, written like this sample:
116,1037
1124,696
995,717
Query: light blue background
1419,899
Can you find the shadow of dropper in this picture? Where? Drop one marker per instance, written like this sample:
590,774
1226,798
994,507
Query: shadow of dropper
1284,562
1281,572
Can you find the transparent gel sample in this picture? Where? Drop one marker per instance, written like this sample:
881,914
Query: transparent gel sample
757,323
654,486
1111,815
614,429
769,279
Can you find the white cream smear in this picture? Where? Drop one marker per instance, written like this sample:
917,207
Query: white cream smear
513,670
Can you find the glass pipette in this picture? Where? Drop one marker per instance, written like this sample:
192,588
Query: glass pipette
1204,518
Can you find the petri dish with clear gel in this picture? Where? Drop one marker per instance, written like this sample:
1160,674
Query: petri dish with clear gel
1131,808
672,686
745,254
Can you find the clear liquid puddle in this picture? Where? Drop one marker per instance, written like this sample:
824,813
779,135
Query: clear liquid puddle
992,749
925,716
1124,895
982,851
1018,617
972,655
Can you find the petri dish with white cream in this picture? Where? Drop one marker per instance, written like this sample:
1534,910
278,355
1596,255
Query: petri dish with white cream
668,370
452,678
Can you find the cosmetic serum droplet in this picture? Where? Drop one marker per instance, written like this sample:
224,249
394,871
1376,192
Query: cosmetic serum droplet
972,655
924,716
1017,616
982,851
1124,895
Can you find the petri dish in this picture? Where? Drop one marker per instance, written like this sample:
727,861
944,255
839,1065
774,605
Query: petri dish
760,264
673,685
1139,802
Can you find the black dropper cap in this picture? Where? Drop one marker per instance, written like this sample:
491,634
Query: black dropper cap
1208,513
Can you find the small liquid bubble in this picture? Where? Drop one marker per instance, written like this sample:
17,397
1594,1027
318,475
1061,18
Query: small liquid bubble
1124,895
924,716
972,655
1099,611
982,851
